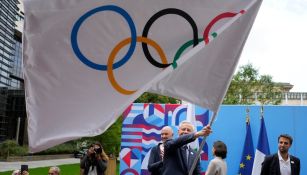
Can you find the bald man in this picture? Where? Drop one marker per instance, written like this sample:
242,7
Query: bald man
178,157
155,162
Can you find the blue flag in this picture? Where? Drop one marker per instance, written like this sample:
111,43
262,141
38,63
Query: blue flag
246,163
262,150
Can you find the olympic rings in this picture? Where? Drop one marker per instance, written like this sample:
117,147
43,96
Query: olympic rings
77,25
143,39
205,35
115,51
154,18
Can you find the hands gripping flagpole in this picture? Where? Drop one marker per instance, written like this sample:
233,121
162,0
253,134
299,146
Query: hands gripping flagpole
201,146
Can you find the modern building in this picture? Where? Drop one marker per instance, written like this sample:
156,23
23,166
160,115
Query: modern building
12,101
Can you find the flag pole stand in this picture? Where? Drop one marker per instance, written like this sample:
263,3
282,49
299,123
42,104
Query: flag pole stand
201,145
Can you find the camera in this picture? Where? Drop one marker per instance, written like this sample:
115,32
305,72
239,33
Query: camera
98,150
23,168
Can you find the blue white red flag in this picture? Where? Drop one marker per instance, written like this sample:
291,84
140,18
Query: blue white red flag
263,149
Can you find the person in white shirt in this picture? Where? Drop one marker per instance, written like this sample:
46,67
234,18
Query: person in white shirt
218,165
281,163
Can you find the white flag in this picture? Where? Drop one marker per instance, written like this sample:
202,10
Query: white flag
86,61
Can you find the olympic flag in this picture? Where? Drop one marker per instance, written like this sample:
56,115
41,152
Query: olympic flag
86,61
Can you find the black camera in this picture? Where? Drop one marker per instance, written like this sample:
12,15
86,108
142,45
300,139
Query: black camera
98,150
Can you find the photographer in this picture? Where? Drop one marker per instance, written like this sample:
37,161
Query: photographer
95,161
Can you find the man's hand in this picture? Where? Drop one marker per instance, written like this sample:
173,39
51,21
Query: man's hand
206,131
25,173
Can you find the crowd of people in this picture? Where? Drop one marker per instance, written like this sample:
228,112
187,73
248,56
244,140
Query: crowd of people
175,156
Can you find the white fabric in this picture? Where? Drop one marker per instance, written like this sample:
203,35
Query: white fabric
92,171
67,99
284,165
191,118
259,158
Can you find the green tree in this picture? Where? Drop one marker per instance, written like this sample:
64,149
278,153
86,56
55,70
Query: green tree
111,139
148,97
248,87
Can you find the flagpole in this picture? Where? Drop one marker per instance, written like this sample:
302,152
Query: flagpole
201,145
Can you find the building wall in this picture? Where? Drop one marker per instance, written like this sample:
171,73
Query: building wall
8,12
11,105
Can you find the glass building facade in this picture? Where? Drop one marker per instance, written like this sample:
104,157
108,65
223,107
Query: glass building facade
8,13
12,104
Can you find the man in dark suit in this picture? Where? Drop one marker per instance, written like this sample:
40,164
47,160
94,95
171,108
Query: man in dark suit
155,162
178,157
281,163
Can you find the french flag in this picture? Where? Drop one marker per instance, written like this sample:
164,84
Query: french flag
262,150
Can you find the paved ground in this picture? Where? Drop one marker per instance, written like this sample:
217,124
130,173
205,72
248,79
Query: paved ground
10,166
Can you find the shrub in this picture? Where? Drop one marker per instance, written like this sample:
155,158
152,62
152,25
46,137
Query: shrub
11,148
65,148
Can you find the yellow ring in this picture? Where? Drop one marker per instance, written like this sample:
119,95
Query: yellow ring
113,56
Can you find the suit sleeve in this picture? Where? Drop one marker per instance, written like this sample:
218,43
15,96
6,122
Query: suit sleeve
265,169
154,162
298,166
178,142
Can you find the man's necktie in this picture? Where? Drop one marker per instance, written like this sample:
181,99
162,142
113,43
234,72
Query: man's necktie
186,154
162,151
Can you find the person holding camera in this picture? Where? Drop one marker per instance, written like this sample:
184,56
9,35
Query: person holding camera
95,161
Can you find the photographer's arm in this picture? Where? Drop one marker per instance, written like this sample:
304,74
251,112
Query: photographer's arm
102,164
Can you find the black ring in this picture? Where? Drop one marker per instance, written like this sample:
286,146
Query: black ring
153,19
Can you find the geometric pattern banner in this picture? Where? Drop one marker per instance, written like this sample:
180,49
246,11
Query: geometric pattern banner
142,124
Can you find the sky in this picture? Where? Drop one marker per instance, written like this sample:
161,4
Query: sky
277,44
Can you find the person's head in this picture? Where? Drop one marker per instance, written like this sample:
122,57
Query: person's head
97,149
219,149
16,172
185,127
54,170
284,143
166,133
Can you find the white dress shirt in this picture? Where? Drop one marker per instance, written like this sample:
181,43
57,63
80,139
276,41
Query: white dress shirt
285,166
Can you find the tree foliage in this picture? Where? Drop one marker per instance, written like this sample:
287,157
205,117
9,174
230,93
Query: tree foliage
248,87
111,139
148,97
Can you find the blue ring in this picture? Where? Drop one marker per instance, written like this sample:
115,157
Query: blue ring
77,25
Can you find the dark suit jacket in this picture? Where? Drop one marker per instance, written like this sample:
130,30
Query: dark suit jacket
175,162
270,165
155,163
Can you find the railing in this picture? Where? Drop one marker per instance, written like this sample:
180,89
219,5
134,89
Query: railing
295,98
